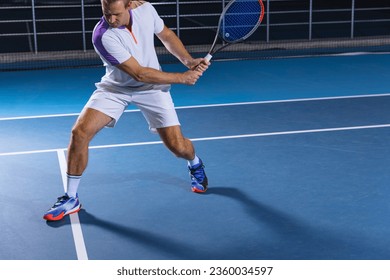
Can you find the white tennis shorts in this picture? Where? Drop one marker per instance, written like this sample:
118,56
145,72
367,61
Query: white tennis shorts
156,106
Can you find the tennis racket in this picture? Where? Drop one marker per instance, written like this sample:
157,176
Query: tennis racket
238,21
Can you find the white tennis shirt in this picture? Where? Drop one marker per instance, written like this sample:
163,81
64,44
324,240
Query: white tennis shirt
116,45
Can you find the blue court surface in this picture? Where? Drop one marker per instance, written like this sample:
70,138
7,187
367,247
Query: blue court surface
296,151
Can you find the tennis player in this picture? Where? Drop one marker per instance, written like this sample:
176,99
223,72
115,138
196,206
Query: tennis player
124,40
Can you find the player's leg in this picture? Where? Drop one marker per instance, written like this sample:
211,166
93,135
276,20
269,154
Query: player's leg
159,111
87,125
176,142
182,147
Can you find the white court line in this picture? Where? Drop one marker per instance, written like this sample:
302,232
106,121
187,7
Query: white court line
214,105
286,100
74,218
264,134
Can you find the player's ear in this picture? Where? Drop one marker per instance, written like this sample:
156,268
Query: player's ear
128,4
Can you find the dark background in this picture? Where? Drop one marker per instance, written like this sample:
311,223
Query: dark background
59,22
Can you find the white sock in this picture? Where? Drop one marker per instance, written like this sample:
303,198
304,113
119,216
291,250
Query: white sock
193,162
73,184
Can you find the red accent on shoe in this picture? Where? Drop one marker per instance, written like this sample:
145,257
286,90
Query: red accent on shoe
50,217
196,190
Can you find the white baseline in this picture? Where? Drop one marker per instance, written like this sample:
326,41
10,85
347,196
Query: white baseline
263,134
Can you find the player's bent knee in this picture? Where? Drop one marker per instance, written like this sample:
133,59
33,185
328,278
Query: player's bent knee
80,135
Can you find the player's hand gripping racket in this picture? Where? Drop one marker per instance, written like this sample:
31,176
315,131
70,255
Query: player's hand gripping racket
238,21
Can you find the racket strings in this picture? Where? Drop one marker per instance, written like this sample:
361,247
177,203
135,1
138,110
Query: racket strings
240,20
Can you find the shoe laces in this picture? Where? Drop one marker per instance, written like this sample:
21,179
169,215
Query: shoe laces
198,172
61,200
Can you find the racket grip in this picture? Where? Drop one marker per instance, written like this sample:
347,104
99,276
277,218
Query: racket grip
208,57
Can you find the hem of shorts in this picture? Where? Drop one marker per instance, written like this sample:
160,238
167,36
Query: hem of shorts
154,129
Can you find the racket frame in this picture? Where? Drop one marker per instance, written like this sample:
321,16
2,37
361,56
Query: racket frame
212,50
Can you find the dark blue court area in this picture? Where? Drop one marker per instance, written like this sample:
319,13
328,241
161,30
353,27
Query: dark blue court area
296,151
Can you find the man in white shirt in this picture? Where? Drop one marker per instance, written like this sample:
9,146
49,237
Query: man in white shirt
124,40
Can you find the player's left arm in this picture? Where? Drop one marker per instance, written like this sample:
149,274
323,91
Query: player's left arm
175,46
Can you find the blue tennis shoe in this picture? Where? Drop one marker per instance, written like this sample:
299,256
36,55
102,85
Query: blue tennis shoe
65,205
198,177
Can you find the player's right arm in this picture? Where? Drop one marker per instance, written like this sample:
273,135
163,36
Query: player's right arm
154,76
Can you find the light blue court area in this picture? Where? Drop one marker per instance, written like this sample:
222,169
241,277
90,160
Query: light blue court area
25,182
297,157
66,91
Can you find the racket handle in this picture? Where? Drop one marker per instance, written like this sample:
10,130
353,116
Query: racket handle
208,57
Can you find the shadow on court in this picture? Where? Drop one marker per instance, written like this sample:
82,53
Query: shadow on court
297,239
289,237
148,239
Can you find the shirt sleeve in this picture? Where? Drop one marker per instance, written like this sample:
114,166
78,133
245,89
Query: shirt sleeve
158,21
113,51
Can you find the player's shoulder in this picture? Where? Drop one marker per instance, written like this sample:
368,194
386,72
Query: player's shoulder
100,28
102,31
137,4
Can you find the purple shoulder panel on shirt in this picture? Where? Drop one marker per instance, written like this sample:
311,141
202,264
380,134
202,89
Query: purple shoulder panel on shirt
100,29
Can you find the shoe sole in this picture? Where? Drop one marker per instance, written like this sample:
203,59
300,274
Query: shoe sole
204,184
196,190
50,217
